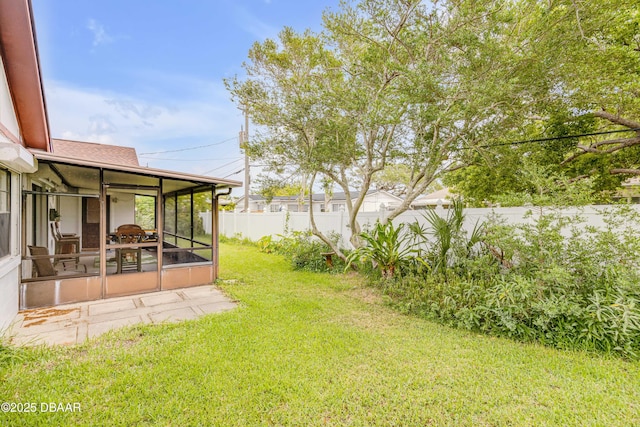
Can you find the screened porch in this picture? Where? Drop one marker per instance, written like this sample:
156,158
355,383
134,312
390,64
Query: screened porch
93,231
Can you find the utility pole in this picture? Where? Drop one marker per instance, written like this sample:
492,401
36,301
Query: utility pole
244,141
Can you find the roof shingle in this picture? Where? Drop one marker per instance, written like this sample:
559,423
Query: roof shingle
112,154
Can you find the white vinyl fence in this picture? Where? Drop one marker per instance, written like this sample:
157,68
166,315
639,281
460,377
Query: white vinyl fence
256,225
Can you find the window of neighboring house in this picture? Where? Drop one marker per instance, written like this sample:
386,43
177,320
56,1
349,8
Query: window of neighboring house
5,213
337,207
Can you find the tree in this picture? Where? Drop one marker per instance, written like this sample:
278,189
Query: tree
590,84
388,82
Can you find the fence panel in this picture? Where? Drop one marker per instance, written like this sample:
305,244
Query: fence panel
256,225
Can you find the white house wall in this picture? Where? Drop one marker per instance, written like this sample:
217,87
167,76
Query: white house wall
16,159
372,202
123,208
10,265
71,215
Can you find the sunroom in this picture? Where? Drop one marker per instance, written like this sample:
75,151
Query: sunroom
93,230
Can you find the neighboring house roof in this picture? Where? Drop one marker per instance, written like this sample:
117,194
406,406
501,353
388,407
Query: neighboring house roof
434,198
113,154
341,195
318,197
22,66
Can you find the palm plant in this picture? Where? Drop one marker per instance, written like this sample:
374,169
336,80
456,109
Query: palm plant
447,240
388,247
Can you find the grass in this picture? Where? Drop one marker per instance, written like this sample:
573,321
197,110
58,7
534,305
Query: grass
314,349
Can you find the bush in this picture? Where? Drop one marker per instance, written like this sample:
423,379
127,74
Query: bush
553,280
236,239
387,248
303,249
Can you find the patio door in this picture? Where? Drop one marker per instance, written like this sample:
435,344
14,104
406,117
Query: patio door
91,223
131,248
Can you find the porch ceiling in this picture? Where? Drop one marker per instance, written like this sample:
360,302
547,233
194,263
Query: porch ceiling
82,174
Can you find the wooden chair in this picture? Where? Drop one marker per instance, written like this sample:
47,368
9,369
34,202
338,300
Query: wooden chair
129,233
43,267
65,243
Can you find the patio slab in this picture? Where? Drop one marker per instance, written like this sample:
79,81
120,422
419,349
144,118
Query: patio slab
74,323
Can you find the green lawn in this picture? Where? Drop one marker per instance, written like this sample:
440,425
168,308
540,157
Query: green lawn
315,349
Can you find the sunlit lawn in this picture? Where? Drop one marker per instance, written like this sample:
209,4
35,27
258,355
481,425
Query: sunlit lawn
315,349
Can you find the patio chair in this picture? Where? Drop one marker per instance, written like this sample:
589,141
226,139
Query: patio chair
129,258
43,267
65,243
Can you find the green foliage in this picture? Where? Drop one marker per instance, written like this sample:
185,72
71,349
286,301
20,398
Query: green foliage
236,239
387,247
395,90
533,184
553,279
305,251
308,349
445,243
269,187
9,354
145,211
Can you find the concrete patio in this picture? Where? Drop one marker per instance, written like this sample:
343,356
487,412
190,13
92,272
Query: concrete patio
74,323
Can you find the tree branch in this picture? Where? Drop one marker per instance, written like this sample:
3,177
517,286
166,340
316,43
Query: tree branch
625,171
617,120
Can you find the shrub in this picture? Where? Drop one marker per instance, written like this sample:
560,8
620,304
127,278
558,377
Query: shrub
553,280
445,244
303,249
236,239
387,247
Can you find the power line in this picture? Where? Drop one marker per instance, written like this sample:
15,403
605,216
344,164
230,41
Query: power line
528,141
192,148
223,166
556,138
234,173
185,160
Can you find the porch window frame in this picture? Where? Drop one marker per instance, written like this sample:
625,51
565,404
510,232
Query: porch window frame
175,235
6,239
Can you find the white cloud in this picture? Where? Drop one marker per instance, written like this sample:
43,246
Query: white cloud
100,35
95,115
252,25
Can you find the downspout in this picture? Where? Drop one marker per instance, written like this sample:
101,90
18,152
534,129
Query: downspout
224,194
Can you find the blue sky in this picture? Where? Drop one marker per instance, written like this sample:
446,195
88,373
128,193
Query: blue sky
149,74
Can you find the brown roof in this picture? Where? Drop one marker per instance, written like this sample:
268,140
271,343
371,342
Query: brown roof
103,153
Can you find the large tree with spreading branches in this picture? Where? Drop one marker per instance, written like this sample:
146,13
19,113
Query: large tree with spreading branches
401,82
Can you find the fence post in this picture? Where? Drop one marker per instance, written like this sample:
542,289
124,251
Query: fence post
235,223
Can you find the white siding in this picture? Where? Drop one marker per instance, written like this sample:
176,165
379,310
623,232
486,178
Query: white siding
9,265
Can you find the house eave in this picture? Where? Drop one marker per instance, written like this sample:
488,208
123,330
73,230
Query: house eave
160,173
16,157
22,67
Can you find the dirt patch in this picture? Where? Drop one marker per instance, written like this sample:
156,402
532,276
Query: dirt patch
35,323
368,295
45,313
